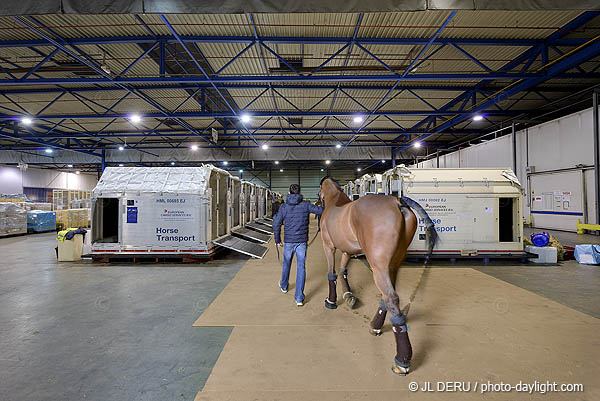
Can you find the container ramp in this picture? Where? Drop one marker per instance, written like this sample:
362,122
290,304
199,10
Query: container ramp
243,246
246,233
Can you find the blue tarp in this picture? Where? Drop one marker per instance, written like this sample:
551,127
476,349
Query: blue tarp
40,221
587,254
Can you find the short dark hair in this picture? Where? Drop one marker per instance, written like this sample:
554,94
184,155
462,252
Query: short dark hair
294,189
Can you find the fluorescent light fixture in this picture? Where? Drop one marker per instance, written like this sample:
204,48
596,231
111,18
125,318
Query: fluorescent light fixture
383,161
276,161
225,162
120,165
477,117
69,165
327,161
194,147
48,150
358,119
135,118
265,146
281,170
245,118
121,147
172,163
26,120
338,145
417,145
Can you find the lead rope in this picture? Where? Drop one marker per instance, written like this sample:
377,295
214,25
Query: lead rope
416,288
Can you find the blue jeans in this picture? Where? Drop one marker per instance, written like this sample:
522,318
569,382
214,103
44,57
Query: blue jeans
289,248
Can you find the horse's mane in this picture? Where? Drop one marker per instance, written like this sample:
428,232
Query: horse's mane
337,185
342,197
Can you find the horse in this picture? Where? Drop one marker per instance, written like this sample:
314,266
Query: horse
381,227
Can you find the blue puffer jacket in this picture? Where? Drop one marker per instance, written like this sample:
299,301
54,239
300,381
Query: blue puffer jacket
294,214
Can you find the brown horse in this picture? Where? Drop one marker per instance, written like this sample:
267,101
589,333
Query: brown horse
381,227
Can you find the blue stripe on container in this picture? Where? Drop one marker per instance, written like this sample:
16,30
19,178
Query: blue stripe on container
563,213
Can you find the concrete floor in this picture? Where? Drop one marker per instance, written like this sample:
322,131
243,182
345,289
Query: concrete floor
73,331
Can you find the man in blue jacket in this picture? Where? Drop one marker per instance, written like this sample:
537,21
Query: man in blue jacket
294,214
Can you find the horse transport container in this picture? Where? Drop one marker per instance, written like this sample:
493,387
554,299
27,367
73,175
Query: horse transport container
167,211
477,212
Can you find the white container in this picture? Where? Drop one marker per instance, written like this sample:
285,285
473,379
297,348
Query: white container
476,212
546,254
167,210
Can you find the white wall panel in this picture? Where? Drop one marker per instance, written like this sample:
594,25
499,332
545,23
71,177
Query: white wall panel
559,144
12,180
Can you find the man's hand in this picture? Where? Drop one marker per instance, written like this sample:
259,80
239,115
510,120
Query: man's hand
280,244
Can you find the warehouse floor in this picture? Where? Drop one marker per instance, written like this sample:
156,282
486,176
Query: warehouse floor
74,331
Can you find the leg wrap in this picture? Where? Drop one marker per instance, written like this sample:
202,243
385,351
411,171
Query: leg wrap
379,319
332,291
403,347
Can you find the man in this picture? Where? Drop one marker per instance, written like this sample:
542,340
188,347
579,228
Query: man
294,214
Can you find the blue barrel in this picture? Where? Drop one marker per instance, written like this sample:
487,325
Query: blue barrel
540,239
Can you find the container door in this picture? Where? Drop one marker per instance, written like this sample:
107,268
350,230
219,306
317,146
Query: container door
485,219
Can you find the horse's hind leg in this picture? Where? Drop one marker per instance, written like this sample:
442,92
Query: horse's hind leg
380,315
391,302
348,296
331,300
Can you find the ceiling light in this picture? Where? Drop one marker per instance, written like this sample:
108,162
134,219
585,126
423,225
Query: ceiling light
276,162
358,169
327,161
77,172
135,118
477,117
321,169
339,145
265,146
121,147
358,119
48,150
69,165
225,162
281,170
26,120
172,163
417,145
245,118
194,147
241,171
120,165
383,161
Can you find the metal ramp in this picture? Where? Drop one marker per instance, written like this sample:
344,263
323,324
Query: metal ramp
261,228
264,222
243,246
246,233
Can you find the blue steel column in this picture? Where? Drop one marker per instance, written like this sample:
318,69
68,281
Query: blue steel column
103,163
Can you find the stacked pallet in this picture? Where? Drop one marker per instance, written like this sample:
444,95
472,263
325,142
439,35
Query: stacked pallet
13,219
12,198
36,206
72,218
68,199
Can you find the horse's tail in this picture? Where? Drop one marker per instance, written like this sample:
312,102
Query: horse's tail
432,235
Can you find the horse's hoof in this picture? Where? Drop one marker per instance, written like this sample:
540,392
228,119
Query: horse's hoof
375,332
399,370
330,305
350,299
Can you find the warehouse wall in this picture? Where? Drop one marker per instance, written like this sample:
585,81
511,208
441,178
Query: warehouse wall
309,179
555,149
13,180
